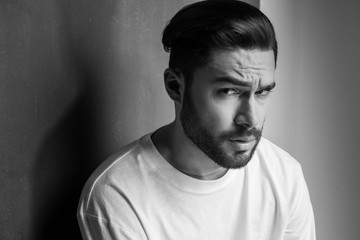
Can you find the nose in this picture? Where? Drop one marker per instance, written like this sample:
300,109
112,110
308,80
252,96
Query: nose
247,114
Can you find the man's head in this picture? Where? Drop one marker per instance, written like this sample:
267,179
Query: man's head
221,70
215,24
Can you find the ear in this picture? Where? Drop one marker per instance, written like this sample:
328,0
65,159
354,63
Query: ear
174,84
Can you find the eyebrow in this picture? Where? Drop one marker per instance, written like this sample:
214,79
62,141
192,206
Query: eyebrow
232,81
269,87
242,83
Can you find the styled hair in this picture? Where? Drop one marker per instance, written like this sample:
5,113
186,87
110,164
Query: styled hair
215,24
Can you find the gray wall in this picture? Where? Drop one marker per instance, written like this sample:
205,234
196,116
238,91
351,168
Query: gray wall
78,79
315,109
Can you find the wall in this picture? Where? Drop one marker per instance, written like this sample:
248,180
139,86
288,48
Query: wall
315,109
47,118
78,79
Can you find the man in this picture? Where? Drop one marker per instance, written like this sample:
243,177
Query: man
209,174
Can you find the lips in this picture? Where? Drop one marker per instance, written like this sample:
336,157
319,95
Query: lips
243,139
242,144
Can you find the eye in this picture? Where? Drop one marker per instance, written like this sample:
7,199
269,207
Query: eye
263,92
229,91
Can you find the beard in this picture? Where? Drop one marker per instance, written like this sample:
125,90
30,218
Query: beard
204,137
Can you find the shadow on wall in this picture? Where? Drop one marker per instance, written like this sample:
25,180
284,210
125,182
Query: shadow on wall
64,162
71,151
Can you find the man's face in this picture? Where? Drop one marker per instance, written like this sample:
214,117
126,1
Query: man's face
224,107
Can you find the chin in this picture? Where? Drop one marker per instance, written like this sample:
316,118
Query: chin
235,160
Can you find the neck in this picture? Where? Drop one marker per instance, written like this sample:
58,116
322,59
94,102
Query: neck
183,154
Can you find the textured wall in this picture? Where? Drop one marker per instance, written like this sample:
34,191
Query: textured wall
78,79
315,109
47,117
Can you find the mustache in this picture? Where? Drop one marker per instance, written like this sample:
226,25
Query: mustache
243,132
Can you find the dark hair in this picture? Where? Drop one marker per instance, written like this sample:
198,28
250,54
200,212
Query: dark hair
215,24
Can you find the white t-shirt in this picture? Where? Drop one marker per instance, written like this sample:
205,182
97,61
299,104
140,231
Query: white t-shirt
136,194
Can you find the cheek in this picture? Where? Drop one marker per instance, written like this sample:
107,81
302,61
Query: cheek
260,116
218,116
262,110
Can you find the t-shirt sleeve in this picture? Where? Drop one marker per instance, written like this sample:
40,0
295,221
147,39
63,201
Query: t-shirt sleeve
97,228
106,212
301,225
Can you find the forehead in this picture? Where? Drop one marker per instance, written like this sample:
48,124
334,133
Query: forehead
245,65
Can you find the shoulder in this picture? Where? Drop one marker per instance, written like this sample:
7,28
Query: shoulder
106,185
275,157
286,178
282,170
276,168
106,202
